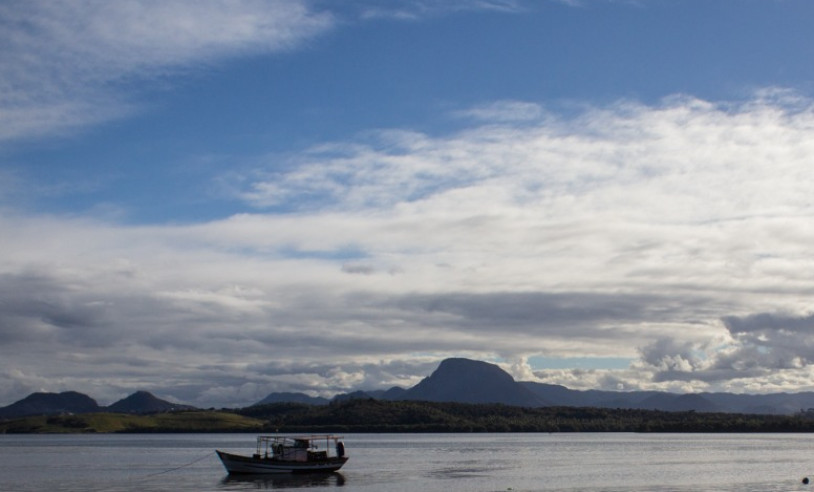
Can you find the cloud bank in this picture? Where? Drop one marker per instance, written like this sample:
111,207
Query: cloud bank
676,235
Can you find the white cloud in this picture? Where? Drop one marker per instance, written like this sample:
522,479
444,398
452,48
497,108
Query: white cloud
690,193
503,111
645,232
66,65
412,10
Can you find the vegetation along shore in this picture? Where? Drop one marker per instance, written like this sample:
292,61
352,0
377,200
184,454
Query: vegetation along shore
370,415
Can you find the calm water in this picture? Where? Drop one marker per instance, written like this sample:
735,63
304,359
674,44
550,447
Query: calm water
422,462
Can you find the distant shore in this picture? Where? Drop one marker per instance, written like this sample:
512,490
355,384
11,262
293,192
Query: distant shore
368,415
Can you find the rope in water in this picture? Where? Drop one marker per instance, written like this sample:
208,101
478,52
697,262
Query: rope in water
145,477
207,455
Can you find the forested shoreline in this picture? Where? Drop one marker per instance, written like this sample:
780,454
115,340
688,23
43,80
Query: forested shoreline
370,415
413,416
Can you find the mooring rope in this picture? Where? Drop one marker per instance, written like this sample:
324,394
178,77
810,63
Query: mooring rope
112,488
207,455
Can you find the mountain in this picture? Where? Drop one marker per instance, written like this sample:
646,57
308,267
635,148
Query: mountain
562,396
145,402
462,381
292,398
355,395
678,403
774,403
394,393
50,404
469,381
73,402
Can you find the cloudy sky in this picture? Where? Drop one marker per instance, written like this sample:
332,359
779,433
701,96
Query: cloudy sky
215,200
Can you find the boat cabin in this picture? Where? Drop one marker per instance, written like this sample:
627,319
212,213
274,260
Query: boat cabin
313,448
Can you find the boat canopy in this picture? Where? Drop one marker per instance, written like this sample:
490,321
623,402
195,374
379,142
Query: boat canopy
331,444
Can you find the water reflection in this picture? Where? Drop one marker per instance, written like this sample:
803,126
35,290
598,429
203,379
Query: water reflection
283,481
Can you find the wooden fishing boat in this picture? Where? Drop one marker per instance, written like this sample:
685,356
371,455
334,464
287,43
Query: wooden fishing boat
289,454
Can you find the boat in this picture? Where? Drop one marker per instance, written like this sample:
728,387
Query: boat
289,454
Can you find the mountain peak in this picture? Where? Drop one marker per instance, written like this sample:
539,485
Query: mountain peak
50,404
471,381
145,402
289,397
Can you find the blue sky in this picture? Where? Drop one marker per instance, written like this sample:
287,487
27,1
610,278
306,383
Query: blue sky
321,197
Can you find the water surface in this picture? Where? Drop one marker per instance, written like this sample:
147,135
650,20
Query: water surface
420,462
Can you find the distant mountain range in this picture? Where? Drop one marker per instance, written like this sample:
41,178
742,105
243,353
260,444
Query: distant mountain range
455,380
470,381
140,402
293,398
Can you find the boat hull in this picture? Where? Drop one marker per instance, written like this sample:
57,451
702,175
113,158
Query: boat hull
238,464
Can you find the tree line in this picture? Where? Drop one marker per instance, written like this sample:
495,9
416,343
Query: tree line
370,415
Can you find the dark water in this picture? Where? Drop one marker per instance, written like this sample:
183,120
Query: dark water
421,462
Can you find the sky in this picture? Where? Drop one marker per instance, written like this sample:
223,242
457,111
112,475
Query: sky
216,200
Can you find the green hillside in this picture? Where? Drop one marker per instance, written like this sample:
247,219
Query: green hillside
185,421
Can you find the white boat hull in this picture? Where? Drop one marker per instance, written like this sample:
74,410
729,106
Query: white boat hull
235,463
